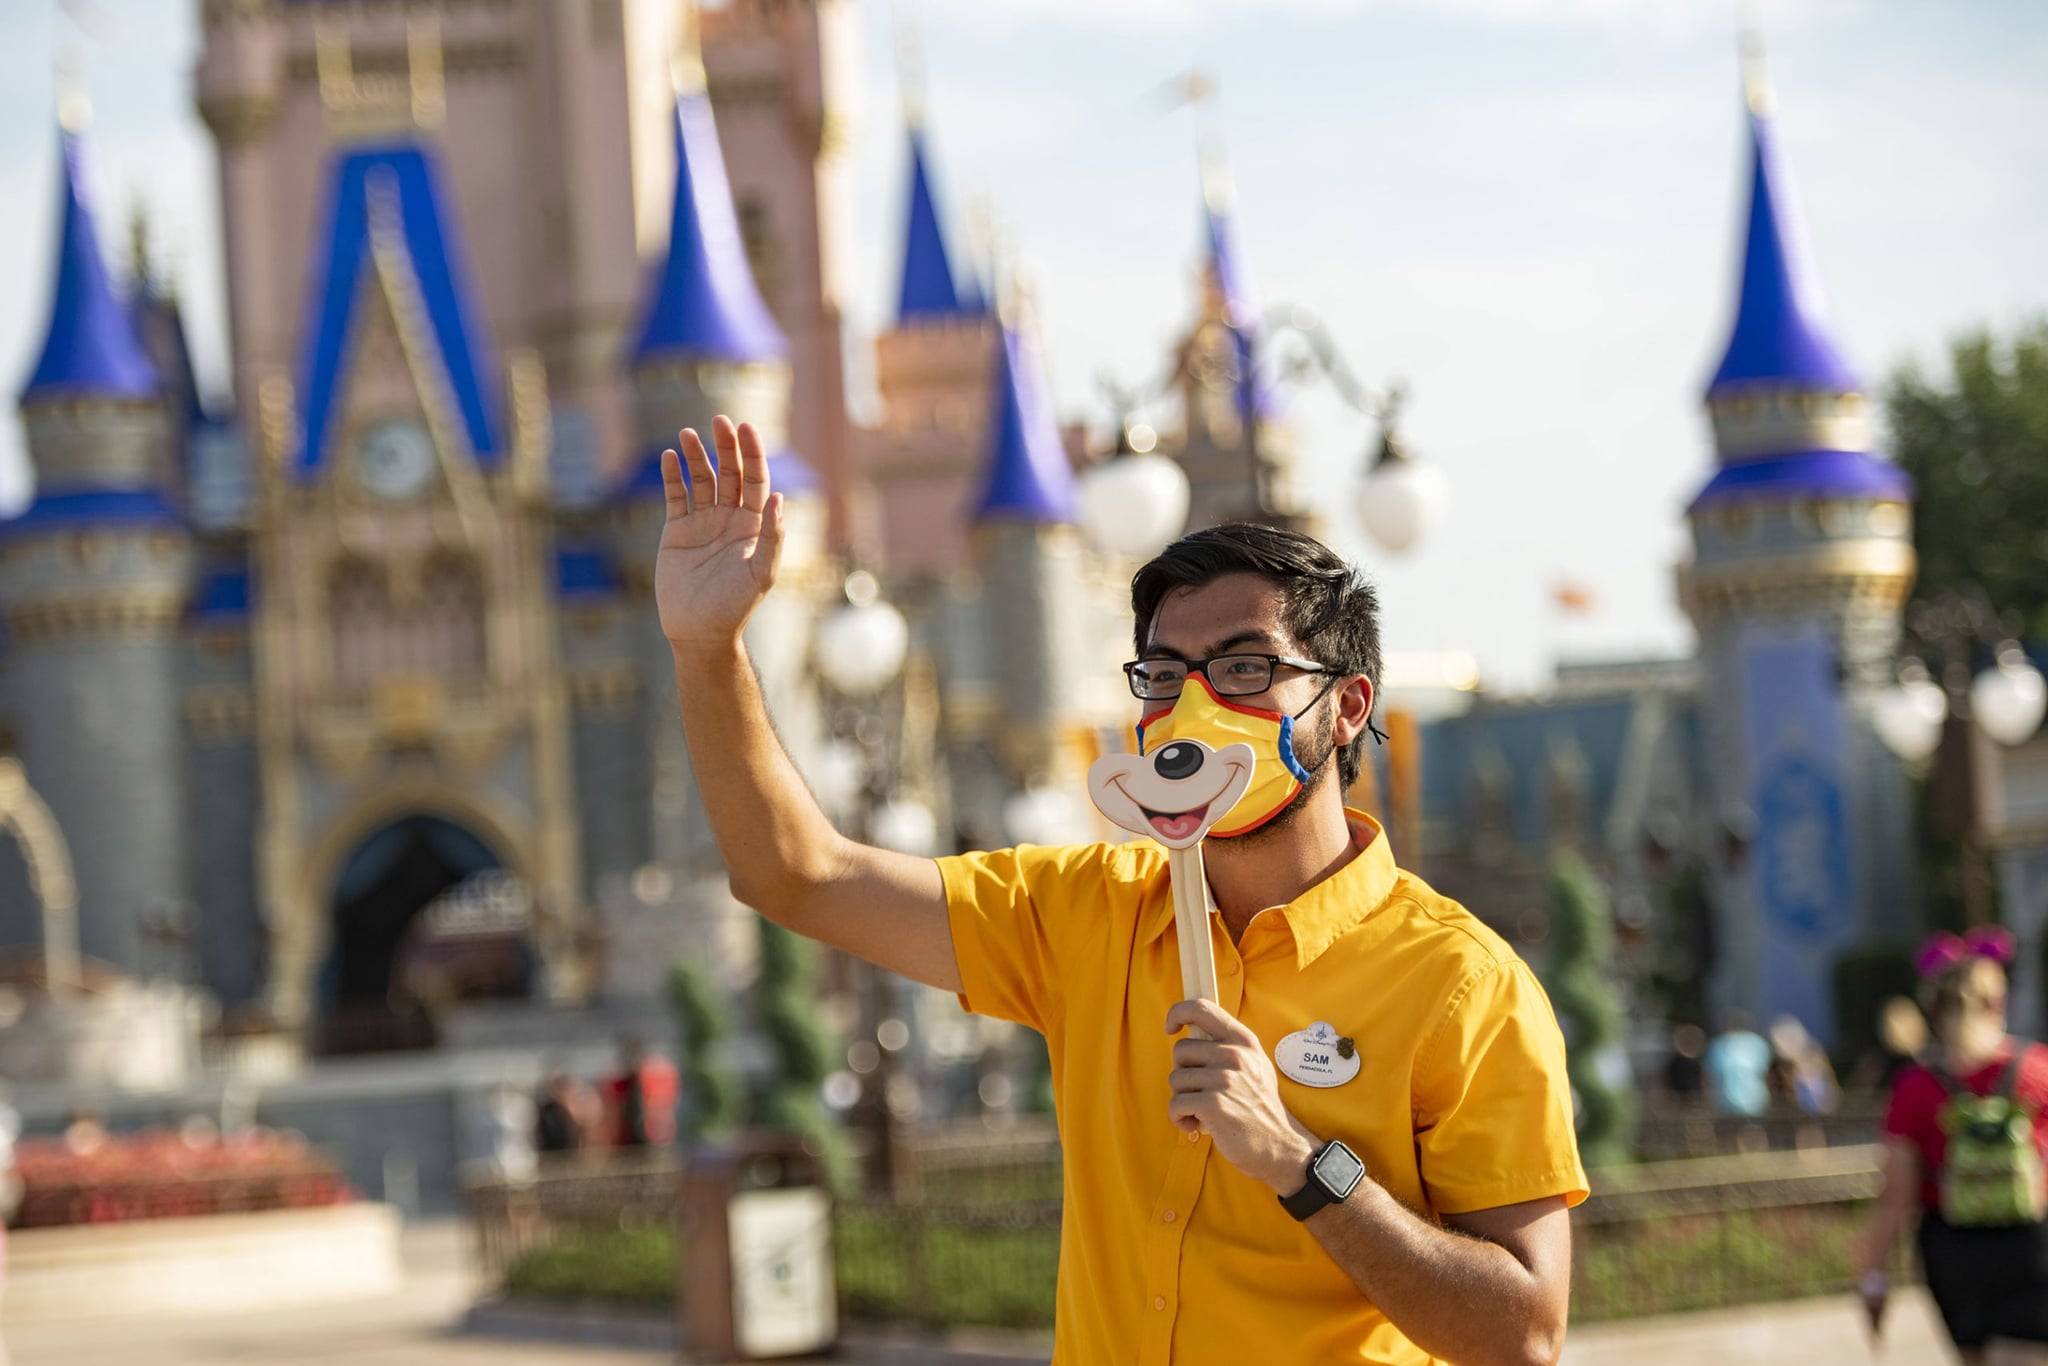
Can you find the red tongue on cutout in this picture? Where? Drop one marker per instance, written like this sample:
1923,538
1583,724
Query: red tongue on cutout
1181,826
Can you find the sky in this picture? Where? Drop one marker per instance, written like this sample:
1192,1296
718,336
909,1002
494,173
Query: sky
1527,210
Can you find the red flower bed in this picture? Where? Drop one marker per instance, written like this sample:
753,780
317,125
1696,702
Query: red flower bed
166,1174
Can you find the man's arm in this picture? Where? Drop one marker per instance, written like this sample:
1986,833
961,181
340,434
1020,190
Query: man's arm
716,562
1494,1287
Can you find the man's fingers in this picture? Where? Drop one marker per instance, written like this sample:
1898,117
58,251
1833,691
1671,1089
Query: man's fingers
768,552
1191,1110
673,486
703,478
753,469
1201,1053
1211,1019
727,438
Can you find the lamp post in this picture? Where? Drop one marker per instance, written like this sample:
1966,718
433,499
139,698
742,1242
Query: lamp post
1399,496
1959,717
860,649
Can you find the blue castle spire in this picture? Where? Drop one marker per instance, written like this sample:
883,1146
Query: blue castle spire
90,348
407,177
705,303
1787,407
1231,282
1029,476
1781,337
929,288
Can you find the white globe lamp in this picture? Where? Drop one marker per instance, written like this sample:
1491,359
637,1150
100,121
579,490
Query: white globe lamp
2008,698
905,826
1399,497
861,645
1043,815
1136,501
1908,717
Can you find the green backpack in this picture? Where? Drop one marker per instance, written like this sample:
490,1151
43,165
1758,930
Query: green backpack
1991,1176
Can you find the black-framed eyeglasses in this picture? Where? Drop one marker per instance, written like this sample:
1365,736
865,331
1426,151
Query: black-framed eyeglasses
1234,675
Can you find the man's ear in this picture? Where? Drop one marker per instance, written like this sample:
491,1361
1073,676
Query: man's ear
1354,708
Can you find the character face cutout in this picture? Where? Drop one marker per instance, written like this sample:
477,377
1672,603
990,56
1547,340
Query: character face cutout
1176,792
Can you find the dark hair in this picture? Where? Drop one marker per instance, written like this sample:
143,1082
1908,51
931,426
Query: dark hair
1327,605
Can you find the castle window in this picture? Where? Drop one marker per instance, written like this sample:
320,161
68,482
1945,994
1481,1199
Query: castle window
359,625
447,633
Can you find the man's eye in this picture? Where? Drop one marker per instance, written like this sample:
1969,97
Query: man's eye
1245,668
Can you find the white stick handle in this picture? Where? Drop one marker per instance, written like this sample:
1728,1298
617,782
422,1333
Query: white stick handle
1191,926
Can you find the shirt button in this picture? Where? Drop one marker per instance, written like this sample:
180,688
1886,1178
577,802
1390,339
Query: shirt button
1230,968
1195,1137
1169,1216
1159,1301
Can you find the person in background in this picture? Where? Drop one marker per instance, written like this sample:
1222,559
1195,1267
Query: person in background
1685,1076
642,1098
1736,1065
563,1120
1983,1243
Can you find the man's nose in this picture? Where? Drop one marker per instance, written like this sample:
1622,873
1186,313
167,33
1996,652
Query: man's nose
1182,759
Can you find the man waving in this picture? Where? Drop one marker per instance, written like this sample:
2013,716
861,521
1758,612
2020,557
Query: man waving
1370,1157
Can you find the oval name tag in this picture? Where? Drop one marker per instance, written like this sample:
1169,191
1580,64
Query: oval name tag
1317,1056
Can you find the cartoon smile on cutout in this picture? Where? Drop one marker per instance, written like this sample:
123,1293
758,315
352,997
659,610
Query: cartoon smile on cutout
1175,793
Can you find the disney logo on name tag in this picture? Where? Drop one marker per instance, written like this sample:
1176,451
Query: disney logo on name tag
1317,1056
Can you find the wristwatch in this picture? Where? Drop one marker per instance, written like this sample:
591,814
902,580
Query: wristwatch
1333,1173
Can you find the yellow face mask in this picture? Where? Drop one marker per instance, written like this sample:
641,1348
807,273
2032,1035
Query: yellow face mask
1199,714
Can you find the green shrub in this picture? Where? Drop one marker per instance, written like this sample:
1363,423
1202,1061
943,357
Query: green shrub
635,1264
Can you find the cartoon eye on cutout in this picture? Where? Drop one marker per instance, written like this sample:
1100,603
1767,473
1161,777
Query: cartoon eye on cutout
1174,794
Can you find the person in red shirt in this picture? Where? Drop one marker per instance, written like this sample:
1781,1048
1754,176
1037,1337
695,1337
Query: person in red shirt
1989,1283
641,1099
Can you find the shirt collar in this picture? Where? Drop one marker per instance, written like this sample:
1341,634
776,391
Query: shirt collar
1325,912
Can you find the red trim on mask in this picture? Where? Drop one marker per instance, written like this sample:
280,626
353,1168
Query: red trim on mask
1201,680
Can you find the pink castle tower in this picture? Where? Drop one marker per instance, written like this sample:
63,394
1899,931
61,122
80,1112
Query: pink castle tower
936,367
780,77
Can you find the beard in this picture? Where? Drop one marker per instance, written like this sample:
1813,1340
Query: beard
1314,756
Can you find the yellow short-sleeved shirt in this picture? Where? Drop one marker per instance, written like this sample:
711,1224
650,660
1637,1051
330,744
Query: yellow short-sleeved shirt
1167,1252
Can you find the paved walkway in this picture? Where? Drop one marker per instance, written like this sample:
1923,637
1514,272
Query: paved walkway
415,1328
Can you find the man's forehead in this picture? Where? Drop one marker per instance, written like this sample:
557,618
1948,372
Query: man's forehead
1237,611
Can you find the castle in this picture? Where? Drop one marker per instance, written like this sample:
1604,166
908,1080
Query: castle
377,636
379,630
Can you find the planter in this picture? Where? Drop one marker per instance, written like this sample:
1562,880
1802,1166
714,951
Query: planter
216,1264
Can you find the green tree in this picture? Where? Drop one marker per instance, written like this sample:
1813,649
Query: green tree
711,1093
1976,443
790,1098
1582,977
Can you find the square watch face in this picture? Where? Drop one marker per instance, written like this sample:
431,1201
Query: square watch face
1338,1170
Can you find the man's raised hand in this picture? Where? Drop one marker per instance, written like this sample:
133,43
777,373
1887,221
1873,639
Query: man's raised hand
722,538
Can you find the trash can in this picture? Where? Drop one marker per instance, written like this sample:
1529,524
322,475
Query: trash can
755,1233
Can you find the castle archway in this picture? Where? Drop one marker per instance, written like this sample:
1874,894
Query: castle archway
423,911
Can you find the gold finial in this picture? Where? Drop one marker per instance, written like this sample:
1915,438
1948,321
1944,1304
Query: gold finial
1756,80
910,72
686,64
1218,191
74,110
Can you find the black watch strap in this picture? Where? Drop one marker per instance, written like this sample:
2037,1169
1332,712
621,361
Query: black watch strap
1316,1192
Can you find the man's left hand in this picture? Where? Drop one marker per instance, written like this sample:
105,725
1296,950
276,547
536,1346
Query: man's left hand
1225,1086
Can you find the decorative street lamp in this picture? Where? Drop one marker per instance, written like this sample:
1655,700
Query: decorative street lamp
1136,501
860,649
1921,717
1399,496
